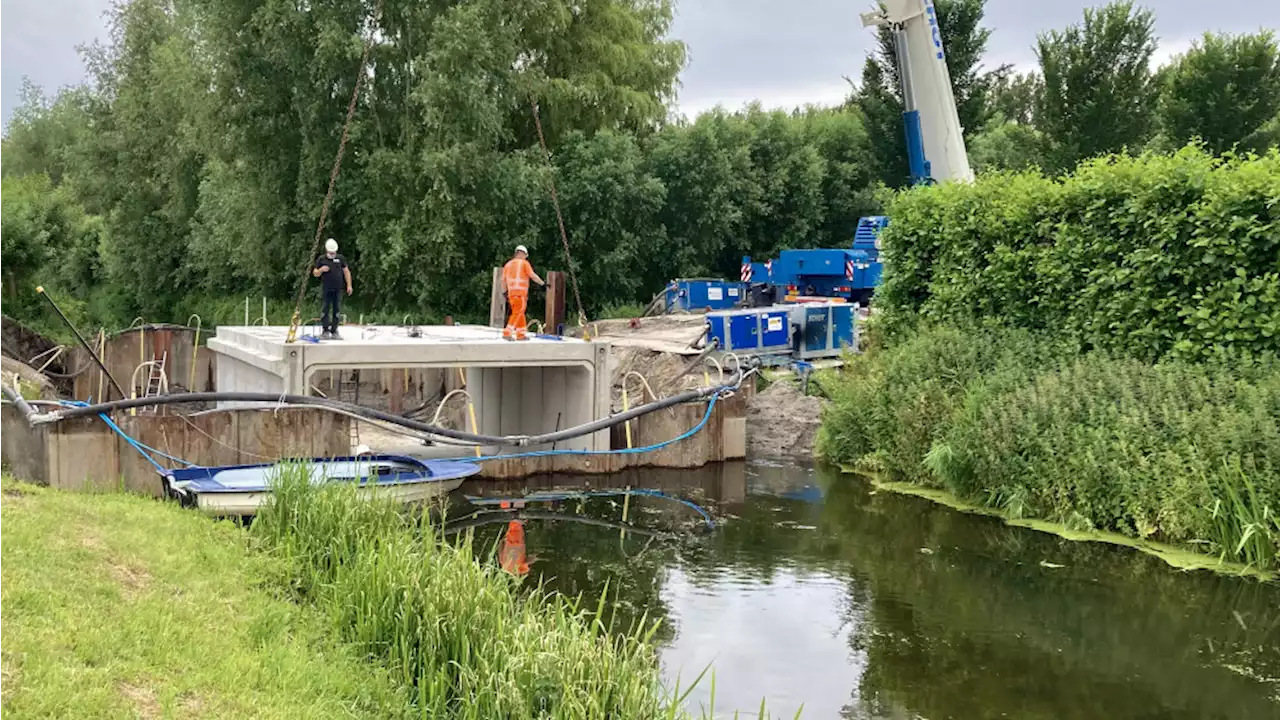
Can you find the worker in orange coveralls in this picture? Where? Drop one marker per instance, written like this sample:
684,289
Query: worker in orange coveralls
513,554
516,275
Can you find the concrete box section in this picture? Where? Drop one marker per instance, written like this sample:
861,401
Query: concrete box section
518,388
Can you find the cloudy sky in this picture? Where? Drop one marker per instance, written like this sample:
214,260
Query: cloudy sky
781,52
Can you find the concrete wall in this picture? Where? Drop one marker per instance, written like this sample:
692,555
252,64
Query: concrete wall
85,454
22,447
234,374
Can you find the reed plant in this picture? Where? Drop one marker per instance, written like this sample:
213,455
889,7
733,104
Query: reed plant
469,640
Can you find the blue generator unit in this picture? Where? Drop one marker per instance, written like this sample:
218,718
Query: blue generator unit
753,331
823,330
696,295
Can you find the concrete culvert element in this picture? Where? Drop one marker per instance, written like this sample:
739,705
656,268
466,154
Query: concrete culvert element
782,423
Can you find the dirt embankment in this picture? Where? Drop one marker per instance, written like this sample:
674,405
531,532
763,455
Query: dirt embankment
782,424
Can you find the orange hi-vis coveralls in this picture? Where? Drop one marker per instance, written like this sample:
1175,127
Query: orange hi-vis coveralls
515,276
512,555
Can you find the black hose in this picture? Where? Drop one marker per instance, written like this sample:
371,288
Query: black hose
305,400
83,344
702,356
24,407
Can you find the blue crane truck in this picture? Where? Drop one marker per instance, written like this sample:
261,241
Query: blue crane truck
851,274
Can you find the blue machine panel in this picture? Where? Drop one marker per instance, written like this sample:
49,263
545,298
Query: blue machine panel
842,319
744,331
795,264
775,329
715,330
816,330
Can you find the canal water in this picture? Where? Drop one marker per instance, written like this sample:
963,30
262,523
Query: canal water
814,590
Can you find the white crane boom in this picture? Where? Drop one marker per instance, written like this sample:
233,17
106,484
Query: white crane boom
935,141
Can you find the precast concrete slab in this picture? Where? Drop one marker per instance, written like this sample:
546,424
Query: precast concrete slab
517,388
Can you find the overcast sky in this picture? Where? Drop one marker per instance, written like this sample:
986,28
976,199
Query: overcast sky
781,52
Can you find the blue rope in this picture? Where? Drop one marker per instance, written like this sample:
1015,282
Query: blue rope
139,446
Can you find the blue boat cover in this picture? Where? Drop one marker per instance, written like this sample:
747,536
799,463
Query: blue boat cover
380,469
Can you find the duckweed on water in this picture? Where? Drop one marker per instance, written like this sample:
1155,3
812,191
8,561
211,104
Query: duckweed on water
463,634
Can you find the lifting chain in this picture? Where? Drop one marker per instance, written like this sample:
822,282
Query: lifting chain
564,236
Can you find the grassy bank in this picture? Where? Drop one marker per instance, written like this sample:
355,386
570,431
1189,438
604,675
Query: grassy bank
461,633
120,606
1180,453
330,606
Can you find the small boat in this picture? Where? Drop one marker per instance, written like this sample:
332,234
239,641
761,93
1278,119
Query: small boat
241,489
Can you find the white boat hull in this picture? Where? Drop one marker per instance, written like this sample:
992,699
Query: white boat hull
248,502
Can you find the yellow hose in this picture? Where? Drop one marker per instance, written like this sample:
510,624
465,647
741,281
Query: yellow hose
195,352
102,348
471,408
625,407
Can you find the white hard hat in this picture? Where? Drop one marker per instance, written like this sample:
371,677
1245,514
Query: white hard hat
523,249
331,245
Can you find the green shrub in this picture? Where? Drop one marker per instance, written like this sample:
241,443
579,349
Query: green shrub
1186,453
462,633
1151,256
1117,444
889,405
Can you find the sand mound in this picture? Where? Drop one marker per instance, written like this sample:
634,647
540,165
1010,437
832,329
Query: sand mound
782,423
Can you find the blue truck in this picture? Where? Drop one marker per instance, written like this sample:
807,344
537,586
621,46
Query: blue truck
851,274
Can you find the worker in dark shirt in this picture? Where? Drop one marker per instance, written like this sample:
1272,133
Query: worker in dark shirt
333,272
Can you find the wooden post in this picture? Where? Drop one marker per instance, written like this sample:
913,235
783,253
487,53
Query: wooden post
399,379
555,302
497,304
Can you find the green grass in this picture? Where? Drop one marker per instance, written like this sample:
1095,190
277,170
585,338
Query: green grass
121,606
620,312
466,636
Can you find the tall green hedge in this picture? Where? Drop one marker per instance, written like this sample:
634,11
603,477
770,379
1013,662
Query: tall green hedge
1151,256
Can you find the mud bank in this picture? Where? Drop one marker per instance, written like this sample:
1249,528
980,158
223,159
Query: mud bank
782,424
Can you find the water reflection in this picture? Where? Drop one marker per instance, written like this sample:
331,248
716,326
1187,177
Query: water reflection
814,589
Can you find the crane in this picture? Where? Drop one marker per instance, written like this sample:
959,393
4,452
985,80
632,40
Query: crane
935,141
935,154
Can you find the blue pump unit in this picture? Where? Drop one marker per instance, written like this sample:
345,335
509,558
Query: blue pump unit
807,331
695,295
754,331
823,330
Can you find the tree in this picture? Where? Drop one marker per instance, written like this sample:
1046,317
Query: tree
443,160
1097,92
1006,145
713,191
882,112
1222,90
1013,96
48,240
849,182
880,95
